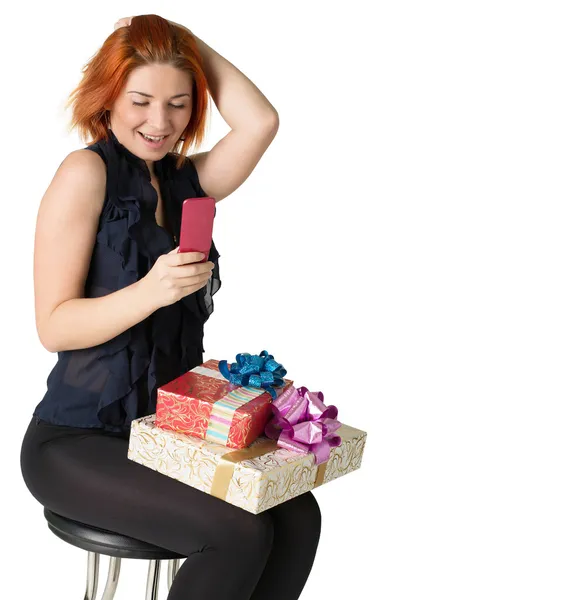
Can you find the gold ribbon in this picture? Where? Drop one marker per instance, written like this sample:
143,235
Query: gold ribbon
226,466
320,474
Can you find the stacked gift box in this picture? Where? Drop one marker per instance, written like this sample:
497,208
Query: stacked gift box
243,433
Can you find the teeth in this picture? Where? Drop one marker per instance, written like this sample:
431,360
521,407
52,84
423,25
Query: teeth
153,139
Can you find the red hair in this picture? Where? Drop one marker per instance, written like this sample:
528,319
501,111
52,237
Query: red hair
149,39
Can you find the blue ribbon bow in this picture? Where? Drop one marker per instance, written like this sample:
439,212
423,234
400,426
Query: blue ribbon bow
255,371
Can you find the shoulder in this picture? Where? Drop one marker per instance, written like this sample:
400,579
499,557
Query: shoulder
85,161
83,167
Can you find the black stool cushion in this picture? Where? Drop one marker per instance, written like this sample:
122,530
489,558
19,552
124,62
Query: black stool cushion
102,541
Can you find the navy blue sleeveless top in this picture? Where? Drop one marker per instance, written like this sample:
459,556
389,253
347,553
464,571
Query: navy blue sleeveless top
108,385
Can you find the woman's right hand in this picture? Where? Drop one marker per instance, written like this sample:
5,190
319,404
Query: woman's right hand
174,276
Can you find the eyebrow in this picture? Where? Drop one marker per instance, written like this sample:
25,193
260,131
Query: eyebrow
150,96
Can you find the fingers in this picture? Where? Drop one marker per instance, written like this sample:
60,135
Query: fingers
192,284
190,289
196,270
125,22
186,257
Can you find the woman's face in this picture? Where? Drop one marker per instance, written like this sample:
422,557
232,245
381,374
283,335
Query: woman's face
165,95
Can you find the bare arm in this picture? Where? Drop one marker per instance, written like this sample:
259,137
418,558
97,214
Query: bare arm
240,102
65,234
253,120
85,322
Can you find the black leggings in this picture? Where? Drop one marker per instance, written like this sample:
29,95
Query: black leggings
85,475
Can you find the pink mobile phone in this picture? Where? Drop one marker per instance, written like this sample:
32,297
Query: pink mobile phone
197,217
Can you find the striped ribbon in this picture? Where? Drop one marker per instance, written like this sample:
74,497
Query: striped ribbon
224,409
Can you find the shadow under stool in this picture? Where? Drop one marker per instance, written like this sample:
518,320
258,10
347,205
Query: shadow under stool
100,541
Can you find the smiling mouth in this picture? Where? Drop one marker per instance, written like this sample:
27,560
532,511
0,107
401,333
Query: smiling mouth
153,139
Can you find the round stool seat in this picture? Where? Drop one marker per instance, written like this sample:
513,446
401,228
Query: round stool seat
101,541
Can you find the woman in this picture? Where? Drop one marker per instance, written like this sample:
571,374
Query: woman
125,311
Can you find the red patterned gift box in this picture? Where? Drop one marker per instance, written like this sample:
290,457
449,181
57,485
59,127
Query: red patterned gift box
203,403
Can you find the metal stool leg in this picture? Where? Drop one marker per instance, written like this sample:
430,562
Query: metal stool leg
153,580
93,572
172,569
113,576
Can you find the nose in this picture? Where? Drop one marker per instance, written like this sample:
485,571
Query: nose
158,119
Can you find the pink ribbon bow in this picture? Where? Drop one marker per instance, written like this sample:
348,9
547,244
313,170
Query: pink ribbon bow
301,422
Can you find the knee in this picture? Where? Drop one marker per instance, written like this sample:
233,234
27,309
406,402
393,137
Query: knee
256,533
247,534
302,515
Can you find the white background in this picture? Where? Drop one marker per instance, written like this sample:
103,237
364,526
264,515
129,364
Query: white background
404,246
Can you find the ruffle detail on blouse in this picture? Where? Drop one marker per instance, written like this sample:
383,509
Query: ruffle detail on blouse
124,364
176,330
121,234
128,235
126,357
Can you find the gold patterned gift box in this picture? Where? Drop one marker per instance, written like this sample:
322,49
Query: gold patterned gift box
255,478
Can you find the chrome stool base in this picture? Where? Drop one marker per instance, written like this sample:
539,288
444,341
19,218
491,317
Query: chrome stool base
153,577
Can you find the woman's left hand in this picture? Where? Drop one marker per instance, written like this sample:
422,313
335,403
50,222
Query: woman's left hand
125,22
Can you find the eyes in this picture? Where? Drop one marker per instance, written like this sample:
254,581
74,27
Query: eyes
146,103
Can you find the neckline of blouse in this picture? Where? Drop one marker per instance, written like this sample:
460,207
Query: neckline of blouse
136,161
